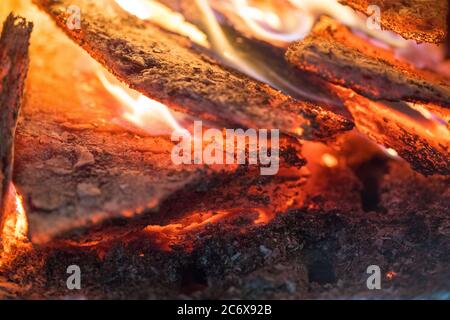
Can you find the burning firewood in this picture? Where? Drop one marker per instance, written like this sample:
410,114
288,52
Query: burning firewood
425,147
165,66
265,56
340,56
231,15
14,59
77,166
423,21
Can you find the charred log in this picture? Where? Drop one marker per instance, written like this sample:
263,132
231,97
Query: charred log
78,166
75,166
166,67
14,43
264,56
412,19
279,260
336,54
339,56
384,123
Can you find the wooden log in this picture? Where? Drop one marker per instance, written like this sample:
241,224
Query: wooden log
14,43
420,20
433,157
265,56
333,52
76,166
167,68
339,56
425,150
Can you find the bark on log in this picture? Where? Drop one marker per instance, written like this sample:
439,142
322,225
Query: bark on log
423,21
14,43
75,166
165,67
427,154
339,56
264,56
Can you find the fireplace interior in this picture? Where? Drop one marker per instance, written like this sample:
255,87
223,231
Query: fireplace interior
91,92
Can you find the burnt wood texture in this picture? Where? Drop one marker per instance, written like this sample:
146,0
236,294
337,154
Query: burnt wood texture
380,84
14,43
420,20
167,68
338,55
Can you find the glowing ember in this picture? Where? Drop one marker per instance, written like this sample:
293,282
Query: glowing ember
391,275
178,232
329,160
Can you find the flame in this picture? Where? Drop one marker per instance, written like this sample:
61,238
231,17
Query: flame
270,21
149,115
282,22
391,152
163,16
15,229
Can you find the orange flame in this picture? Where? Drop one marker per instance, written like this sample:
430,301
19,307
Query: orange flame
15,229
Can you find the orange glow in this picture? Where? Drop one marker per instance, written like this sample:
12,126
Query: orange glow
329,160
174,233
166,236
423,122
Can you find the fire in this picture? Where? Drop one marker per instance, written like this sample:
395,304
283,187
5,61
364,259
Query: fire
279,23
282,22
296,18
148,115
329,160
392,152
270,21
161,15
177,232
15,229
